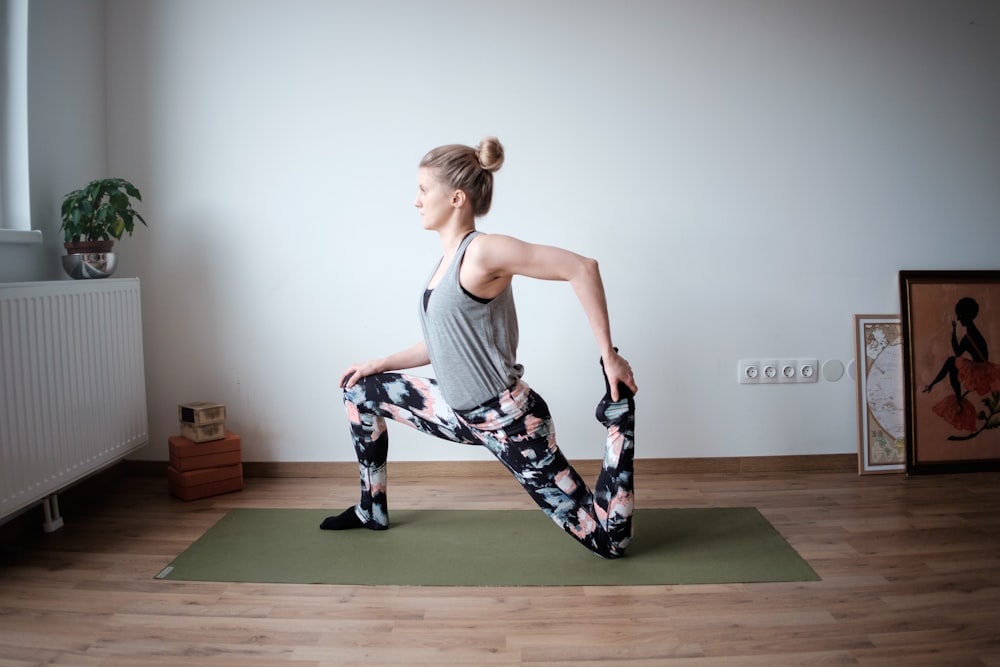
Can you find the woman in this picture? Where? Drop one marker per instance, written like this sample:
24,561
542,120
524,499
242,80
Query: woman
470,338
975,372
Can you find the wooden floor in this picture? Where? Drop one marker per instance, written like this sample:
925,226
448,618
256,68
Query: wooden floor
910,573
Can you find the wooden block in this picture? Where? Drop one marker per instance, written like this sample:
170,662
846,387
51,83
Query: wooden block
199,413
206,482
203,433
188,455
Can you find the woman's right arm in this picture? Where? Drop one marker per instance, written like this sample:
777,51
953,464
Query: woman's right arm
411,357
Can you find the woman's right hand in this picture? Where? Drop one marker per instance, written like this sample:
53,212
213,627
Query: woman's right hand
355,372
411,357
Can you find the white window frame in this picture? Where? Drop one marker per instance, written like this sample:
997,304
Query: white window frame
15,208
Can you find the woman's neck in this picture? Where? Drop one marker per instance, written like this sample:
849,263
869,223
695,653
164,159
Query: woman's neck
452,238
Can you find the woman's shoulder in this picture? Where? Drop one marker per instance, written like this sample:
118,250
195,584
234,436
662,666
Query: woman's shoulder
494,249
491,256
486,242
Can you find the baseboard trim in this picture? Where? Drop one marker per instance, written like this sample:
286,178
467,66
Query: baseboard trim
418,469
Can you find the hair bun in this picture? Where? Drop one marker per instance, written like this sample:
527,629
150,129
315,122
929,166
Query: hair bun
490,154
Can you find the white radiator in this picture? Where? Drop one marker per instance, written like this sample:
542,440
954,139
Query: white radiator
72,386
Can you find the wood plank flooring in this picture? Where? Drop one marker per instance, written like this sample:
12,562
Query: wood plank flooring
910,573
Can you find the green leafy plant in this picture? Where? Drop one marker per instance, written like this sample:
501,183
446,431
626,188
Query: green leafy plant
100,211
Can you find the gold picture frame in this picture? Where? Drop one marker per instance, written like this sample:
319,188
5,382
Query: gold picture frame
878,352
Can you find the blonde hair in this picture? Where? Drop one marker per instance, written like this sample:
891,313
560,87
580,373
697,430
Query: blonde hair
468,169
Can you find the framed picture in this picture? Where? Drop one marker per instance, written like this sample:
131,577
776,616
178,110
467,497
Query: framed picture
950,325
878,350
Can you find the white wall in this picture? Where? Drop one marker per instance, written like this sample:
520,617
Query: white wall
749,174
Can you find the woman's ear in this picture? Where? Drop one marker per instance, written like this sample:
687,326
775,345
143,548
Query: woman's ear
459,199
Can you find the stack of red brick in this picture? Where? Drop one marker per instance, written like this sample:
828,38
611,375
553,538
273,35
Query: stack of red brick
205,459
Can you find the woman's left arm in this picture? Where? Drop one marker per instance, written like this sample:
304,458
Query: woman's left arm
495,259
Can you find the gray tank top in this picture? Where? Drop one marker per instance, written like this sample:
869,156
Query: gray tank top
472,343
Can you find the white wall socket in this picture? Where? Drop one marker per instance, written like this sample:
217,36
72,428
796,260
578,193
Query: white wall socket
807,370
778,371
749,372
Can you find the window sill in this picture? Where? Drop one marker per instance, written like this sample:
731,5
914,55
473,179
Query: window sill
20,236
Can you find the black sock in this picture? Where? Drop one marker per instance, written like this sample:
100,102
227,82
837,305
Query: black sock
343,521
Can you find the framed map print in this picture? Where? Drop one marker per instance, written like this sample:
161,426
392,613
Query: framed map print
951,350
878,349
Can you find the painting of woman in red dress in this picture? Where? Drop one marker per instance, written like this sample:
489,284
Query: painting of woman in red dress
968,370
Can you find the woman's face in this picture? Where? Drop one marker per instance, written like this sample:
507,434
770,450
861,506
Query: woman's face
434,200
966,311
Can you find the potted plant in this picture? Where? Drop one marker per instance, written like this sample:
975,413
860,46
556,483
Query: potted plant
93,218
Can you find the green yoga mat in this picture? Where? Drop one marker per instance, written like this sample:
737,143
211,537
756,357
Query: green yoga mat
488,548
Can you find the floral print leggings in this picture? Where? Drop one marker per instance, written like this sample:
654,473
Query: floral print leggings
517,428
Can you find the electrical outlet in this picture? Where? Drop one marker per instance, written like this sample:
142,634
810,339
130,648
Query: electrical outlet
749,372
797,371
808,370
770,372
784,371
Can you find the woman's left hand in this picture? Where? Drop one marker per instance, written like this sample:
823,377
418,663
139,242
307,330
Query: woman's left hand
617,368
